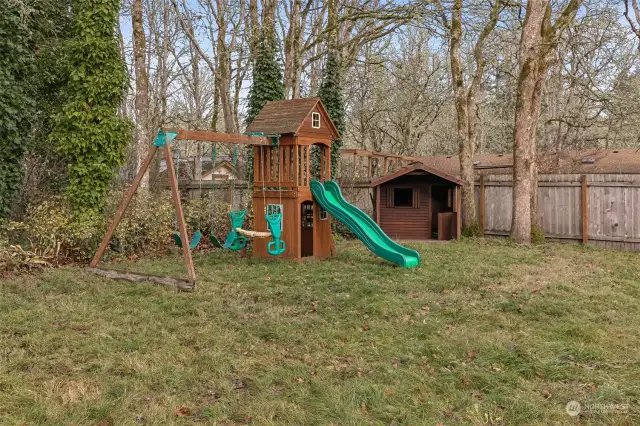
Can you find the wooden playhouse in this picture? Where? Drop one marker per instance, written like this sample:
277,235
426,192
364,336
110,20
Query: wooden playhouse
418,202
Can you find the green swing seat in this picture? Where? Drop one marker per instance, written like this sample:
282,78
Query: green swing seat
277,246
234,240
215,241
197,236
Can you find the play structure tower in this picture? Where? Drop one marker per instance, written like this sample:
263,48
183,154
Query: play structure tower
282,173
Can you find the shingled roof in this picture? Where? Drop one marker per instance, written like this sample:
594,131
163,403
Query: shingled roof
587,161
282,117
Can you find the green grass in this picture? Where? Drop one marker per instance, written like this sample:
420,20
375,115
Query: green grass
484,332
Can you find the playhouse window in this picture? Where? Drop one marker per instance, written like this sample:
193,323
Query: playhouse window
315,120
274,209
402,197
323,214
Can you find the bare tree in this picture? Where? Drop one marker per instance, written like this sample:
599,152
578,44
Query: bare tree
537,53
635,21
465,95
142,86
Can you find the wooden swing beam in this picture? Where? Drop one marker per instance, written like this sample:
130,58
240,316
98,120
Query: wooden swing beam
182,134
207,136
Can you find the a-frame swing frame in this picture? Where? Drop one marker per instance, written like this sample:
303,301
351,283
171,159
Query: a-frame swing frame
163,140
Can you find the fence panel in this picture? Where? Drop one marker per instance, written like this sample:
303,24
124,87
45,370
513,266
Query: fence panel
613,212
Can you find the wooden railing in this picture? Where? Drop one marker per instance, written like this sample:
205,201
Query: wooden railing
375,163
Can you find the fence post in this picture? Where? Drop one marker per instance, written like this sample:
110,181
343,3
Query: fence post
585,210
481,201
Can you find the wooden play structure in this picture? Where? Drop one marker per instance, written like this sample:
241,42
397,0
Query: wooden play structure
288,222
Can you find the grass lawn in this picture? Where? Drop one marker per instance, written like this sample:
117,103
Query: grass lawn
484,332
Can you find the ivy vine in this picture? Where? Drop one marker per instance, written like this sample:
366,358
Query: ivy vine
266,86
330,92
16,101
88,130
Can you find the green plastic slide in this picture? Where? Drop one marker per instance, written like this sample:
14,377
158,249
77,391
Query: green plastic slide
329,196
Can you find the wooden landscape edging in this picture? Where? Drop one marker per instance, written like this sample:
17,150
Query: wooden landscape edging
136,277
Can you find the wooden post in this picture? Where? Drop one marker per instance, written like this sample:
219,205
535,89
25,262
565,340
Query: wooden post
308,156
296,164
585,210
458,204
369,167
377,206
328,161
482,205
257,156
386,166
123,206
175,194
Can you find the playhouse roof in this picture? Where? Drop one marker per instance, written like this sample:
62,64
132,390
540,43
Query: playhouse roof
420,167
282,117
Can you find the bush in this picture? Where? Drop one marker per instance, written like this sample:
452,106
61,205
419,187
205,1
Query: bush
49,227
147,226
51,233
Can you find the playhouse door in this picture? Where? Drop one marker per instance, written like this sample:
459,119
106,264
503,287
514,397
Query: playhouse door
306,233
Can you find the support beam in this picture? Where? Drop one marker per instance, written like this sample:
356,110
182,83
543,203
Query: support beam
585,209
123,206
206,136
482,205
175,194
458,210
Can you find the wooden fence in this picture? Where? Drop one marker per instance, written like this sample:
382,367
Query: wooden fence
598,209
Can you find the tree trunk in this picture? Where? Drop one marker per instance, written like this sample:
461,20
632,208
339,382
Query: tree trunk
142,87
223,71
527,113
465,144
162,46
254,29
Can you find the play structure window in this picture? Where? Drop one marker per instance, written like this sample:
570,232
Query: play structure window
403,197
274,209
315,120
323,214
307,215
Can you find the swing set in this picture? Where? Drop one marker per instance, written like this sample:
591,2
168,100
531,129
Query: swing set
293,225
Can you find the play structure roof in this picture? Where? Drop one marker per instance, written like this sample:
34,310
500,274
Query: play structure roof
282,117
417,166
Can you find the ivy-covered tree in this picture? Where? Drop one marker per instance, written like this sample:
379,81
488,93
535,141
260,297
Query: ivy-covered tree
330,92
16,100
266,81
88,130
266,86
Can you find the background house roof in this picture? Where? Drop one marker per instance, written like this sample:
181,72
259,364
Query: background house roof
588,161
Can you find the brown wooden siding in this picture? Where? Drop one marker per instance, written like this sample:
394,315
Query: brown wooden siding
307,130
405,222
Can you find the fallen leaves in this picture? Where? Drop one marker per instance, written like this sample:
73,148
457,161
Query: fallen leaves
182,411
